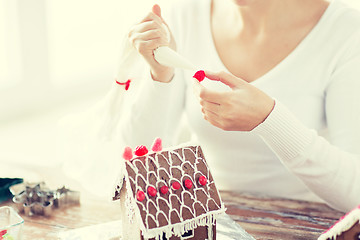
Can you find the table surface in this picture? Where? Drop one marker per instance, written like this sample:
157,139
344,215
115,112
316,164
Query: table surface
261,216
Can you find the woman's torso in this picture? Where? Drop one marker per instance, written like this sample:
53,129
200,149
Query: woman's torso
240,160
249,50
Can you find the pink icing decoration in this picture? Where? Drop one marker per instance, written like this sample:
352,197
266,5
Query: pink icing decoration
128,155
157,146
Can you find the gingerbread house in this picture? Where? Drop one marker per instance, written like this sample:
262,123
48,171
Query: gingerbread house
167,195
347,228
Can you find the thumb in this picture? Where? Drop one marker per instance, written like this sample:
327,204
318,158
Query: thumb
157,10
226,78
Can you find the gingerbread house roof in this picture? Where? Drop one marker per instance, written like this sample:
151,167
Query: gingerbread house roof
172,211
344,224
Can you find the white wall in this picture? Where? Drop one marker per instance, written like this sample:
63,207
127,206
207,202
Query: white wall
55,51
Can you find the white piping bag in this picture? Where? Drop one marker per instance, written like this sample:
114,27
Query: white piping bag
88,143
168,57
164,55
113,101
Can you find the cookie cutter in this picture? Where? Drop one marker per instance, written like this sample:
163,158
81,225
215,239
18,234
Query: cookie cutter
37,199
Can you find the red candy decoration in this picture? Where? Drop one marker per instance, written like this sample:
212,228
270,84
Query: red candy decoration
2,233
188,183
151,191
127,84
128,155
140,196
141,150
164,189
157,146
199,75
202,180
175,185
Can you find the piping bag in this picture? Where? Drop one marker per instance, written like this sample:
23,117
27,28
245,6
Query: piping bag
129,58
168,57
89,143
163,55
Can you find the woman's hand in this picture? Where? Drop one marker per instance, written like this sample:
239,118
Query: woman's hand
241,109
146,36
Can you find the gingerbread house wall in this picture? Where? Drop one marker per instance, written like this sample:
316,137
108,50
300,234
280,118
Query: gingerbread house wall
129,227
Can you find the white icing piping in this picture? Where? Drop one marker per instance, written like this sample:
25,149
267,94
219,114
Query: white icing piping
179,229
184,191
207,185
133,202
210,232
121,177
343,225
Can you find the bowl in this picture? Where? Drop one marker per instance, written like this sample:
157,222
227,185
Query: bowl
5,184
11,224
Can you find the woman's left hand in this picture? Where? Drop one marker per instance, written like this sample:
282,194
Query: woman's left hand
241,109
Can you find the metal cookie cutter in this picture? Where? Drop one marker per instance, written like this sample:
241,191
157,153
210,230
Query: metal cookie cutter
37,199
66,197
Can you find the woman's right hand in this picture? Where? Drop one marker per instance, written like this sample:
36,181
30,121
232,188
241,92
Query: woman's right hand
146,36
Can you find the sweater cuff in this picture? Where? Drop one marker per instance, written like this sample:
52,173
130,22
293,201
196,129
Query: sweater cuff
157,87
284,133
153,96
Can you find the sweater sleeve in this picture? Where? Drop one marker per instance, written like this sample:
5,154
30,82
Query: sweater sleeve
330,168
154,111
156,108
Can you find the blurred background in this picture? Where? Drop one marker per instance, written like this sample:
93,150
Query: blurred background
56,57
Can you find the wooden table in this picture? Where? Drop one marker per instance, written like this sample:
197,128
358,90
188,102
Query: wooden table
276,218
263,217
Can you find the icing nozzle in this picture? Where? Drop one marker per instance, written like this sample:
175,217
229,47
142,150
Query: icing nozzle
168,57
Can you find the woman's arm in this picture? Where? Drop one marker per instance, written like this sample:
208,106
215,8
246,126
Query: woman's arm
149,34
331,169
155,109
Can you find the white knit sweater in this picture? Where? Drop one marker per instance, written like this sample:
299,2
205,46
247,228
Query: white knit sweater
308,147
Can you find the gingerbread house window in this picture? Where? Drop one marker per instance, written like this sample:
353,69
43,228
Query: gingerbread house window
189,234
